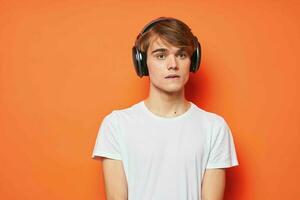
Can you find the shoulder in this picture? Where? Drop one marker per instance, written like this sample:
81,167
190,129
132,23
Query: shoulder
209,118
124,114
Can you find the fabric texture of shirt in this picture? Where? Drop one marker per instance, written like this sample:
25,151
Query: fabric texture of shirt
165,158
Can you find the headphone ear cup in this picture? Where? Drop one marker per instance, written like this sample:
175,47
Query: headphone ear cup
196,58
139,61
144,64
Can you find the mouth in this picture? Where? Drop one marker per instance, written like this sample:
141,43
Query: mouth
172,76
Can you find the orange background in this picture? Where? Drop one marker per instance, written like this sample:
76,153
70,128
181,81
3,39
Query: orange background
65,64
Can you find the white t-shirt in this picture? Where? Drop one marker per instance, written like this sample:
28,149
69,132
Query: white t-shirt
165,158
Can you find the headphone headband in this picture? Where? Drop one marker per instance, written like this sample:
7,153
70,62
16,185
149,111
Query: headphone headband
152,23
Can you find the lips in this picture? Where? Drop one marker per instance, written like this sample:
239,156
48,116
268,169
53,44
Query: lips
172,76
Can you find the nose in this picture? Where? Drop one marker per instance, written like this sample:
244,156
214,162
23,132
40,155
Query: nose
172,62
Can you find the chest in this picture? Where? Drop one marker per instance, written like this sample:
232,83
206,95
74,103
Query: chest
172,143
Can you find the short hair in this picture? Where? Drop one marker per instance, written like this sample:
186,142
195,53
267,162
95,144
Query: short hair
171,30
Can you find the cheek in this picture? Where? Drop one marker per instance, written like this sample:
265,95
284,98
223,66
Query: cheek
154,68
188,64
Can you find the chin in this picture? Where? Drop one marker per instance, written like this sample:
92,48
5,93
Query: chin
168,88
172,89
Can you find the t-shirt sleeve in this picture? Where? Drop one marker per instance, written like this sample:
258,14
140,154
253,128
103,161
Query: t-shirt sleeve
108,140
222,149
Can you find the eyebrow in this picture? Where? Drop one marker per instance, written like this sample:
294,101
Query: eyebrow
164,50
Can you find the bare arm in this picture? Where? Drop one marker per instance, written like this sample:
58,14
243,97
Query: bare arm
114,179
213,184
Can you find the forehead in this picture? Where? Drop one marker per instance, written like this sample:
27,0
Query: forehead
157,42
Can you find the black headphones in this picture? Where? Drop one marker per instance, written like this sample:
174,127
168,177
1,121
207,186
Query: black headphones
139,57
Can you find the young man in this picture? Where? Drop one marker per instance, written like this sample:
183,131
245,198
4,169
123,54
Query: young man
165,147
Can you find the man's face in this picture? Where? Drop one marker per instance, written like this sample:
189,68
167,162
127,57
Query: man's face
163,60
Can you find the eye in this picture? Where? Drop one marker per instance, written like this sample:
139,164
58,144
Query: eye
160,56
182,55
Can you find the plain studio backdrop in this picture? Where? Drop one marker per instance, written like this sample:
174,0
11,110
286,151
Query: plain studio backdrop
66,64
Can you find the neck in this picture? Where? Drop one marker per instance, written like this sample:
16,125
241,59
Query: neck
166,104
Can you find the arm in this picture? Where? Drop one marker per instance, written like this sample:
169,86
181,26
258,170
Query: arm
213,184
114,179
